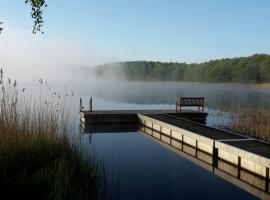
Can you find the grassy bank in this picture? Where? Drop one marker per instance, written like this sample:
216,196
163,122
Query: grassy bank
37,159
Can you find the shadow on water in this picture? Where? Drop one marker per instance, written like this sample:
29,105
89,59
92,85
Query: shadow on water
128,177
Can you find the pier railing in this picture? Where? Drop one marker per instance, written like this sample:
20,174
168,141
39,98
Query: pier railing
90,105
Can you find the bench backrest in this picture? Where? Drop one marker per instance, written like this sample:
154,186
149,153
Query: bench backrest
191,101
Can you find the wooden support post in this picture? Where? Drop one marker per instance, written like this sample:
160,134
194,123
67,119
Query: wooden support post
81,107
215,157
267,180
239,167
196,150
1,71
170,137
182,142
91,104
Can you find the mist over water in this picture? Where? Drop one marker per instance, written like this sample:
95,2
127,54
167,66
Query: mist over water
67,65
63,73
158,95
221,97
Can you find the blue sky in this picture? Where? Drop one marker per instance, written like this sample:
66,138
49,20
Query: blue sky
171,30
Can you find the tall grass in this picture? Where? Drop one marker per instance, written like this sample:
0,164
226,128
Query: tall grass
254,122
37,159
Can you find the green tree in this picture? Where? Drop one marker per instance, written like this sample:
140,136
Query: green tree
36,14
252,69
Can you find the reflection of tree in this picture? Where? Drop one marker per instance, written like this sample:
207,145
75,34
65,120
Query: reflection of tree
217,96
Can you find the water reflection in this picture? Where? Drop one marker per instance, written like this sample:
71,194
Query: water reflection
108,128
126,157
218,96
248,181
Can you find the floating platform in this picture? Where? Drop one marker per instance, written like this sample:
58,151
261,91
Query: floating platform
182,131
130,116
239,177
242,151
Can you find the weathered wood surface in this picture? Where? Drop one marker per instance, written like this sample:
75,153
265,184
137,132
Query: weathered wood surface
130,116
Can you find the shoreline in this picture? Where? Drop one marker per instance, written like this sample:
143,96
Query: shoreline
264,86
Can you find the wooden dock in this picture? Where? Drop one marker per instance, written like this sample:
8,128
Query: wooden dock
242,151
239,177
182,130
130,116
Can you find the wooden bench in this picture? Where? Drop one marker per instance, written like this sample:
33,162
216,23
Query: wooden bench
190,101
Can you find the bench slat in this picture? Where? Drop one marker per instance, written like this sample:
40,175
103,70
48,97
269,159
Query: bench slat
190,101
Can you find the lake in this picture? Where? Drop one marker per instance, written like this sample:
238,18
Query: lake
139,167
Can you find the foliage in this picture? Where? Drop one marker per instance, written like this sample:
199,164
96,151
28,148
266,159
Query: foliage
252,69
37,13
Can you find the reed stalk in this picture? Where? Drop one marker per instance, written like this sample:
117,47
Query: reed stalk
37,159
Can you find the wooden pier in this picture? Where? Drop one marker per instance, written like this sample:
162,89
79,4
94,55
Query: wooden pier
242,151
131,116
239,177
181,130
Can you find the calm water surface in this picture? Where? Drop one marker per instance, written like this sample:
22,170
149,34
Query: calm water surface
139,168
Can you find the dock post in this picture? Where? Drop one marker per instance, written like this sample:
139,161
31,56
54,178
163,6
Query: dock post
215,156
81,104
91,104
1,76
267,180
239,167
182,140
196,149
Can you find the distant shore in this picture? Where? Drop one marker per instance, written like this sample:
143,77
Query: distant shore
264,86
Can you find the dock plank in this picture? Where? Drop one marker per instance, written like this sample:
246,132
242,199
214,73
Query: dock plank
129,116
200,129
254,146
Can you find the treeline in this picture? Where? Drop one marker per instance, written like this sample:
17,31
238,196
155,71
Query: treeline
252,69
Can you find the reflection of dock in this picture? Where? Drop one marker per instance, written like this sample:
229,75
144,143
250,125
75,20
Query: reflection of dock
108,128
245,153
245,159
240,177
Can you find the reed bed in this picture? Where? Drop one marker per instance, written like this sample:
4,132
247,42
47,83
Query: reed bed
37,159
253,122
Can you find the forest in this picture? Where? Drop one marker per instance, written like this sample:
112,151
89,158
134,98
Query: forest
252,69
